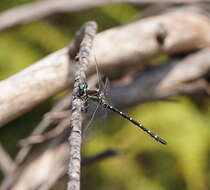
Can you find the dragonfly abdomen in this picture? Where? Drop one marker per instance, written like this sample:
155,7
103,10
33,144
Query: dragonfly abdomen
138,124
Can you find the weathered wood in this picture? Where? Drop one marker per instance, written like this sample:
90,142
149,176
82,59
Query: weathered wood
116,50
75,138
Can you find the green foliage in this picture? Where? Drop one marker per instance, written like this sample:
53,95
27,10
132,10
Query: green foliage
6,4
114,11
14,54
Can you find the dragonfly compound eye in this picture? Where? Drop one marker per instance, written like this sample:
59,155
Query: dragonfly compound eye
82,88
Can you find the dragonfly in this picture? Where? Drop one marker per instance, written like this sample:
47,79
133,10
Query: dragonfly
98,95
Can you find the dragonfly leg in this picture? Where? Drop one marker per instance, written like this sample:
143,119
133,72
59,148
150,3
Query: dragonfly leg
85,106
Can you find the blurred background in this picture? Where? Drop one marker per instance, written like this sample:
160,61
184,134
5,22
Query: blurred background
140,163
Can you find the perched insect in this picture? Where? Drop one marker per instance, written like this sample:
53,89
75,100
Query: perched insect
100,96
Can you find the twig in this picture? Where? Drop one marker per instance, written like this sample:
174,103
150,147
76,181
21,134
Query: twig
6,164
48,135
103,155
75,138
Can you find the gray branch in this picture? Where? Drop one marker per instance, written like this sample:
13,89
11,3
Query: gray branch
178,77
75,139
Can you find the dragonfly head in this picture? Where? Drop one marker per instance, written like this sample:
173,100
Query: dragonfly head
82,88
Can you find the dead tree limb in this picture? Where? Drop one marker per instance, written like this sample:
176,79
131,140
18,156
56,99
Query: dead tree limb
183,32
41,9
75,139
186,76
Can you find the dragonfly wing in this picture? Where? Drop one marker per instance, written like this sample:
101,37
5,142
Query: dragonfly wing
107,91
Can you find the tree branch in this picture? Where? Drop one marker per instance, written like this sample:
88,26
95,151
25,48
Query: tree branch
138,42
41,9
75,139
6,163
174,78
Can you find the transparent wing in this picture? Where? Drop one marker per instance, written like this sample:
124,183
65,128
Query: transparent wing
100,82
95,112
107,91
91,118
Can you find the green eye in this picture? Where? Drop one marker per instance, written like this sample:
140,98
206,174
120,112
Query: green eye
82,86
